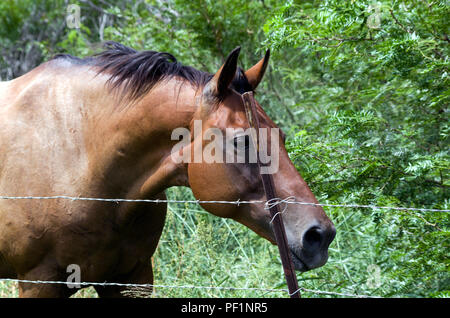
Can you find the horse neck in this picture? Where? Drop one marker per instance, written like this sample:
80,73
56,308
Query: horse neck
132,146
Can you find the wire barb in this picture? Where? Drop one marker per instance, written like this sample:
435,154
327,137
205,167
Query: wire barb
277,201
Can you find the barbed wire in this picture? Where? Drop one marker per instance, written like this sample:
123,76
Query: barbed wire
268,204
275,201
86,284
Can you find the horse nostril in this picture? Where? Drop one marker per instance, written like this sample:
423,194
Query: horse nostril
316,237
315,242
312,238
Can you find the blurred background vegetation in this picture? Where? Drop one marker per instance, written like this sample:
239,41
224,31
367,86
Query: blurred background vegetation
360,87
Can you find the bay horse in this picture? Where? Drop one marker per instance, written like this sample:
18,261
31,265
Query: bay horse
101,127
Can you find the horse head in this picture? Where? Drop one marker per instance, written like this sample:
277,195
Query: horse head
220,166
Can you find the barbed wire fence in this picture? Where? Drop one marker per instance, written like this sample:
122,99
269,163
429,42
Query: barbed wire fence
288,200
151,286
267,204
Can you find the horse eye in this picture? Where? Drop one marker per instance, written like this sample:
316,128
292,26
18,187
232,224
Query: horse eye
242,142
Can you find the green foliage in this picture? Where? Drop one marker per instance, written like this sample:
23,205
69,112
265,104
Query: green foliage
360,87
373,92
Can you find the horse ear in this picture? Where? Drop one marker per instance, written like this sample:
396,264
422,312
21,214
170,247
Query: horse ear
222,79
256,72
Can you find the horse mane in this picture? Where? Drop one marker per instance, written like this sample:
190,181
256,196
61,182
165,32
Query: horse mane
136,72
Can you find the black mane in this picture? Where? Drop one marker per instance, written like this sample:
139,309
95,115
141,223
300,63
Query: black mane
137,72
